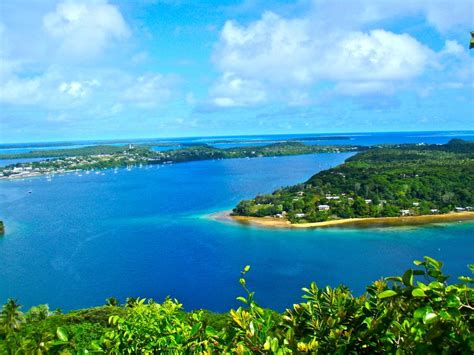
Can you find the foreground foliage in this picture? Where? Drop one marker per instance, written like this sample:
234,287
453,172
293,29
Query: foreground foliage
415,313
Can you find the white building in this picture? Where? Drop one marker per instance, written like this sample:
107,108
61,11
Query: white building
405,212
323,207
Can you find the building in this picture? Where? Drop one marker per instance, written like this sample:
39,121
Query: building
300,215
323,207
434,210
416,204
405,212
368,201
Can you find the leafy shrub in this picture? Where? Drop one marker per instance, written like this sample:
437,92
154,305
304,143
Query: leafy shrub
418,312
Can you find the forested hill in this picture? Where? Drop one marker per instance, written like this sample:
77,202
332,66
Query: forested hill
384,181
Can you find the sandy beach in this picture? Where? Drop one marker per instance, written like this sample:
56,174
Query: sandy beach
271,222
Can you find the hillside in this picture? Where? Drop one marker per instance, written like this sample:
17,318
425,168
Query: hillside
385,181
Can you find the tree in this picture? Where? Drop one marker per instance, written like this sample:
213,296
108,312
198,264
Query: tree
38,313
11,317
112,301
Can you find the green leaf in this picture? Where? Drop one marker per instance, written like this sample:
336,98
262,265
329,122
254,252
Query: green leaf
453,301
62,334
408,278
242,299
466,279
386,294
394,278
430,317
420,312
247,268
435,263
418,292
210,331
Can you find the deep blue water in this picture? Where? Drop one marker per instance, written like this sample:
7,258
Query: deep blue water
74,241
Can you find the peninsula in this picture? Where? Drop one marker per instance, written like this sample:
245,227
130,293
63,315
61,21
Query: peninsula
107,156
421,183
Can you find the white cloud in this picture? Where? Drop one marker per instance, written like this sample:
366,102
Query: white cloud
444,15
85,29
452,48
232,90
149,90
285,55
77,89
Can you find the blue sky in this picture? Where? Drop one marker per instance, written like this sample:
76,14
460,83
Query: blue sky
102,69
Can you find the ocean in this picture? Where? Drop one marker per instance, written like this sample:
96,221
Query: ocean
76,240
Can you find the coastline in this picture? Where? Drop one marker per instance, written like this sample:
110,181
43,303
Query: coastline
272,222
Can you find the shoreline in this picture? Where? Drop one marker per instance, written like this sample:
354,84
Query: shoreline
369,222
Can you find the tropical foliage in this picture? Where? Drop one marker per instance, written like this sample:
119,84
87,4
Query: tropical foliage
418,312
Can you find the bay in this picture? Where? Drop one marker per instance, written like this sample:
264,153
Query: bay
76,240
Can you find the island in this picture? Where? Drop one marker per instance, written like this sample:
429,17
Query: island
405,183
2,228
58,161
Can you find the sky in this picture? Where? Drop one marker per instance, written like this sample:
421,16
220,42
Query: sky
105,69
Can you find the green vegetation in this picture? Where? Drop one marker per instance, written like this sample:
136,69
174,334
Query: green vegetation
102,157
2,228
381,182
415,313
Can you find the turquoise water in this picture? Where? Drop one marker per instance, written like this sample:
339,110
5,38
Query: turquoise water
74,241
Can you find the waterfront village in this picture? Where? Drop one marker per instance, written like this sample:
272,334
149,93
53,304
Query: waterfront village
49,167
329,202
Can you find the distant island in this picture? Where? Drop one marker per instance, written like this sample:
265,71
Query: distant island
108,156
416,181
2,228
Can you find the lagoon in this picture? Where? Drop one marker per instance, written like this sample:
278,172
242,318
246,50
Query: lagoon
74,241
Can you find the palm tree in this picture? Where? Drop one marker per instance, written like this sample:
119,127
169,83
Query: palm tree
112,301
11,317
38,313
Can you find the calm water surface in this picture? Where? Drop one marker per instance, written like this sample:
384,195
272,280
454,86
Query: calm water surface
74,241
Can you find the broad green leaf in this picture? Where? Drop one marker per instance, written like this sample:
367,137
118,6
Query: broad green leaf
420,312
437,264
210,331
62,334
386,294
453,301
418,292
394,278
430,317
242,299
408,278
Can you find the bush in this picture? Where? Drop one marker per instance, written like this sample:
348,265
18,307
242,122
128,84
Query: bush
417,312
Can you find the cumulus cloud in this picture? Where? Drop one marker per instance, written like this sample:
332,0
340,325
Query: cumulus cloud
48,89
149,90
85,29
77,89
232,91
444,15
279,53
